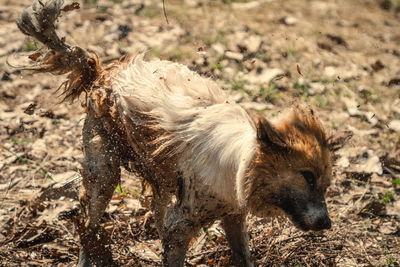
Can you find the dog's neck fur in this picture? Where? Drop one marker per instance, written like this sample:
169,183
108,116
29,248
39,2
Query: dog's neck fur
223,140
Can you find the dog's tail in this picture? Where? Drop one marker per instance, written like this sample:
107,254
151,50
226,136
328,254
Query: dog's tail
82,68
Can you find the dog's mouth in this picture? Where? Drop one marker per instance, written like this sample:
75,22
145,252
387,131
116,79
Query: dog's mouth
321,223
312,216
306,215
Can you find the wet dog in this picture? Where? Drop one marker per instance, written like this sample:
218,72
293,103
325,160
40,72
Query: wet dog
183,135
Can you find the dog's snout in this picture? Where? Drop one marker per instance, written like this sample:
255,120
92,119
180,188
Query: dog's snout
323,223
316,217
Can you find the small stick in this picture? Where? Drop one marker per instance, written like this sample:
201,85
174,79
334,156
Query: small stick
165,12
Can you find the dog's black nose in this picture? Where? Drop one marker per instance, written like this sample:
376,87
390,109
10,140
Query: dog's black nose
323,223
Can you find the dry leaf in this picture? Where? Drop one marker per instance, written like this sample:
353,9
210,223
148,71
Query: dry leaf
298,69
34,56
73,6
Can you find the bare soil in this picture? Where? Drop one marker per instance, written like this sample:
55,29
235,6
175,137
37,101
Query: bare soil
340,56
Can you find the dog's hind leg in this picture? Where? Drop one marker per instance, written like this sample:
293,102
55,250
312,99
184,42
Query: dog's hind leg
236,233
180,229
101,175
159,206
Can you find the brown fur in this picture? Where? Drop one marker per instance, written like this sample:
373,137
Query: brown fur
272,175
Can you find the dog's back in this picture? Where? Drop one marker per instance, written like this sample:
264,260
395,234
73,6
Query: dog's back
189,122
159,84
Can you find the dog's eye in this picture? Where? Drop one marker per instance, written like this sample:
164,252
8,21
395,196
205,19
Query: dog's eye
309,177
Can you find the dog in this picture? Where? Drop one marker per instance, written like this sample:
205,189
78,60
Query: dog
183,136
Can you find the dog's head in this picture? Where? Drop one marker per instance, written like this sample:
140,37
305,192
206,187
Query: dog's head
292,169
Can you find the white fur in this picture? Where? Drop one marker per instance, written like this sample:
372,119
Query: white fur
215,139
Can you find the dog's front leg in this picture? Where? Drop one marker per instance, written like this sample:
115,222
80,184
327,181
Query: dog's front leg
101,174
236,233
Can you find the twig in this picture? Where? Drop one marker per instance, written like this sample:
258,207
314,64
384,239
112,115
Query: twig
130,231
367,188
65,229
391,172
165,12
209,251
287,240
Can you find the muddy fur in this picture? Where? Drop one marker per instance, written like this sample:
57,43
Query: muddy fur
182,135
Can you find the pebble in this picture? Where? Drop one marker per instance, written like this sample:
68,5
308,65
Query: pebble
219,48
290,21
316,88
39,149
229,72
251,43
265,76
330,71
234,55
395,125
371,118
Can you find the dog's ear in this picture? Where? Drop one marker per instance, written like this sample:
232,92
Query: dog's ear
338,140
267,134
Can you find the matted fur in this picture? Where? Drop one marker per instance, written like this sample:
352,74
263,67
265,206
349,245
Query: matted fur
213,138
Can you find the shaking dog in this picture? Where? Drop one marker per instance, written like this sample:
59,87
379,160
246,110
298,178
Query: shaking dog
182,134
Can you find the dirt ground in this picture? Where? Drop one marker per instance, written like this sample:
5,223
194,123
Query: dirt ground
340,56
